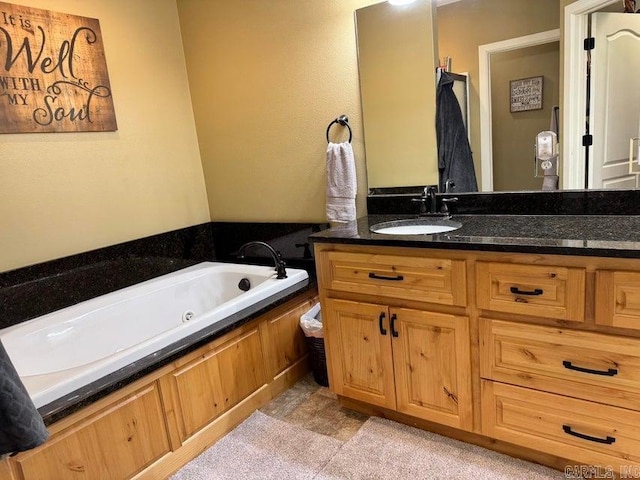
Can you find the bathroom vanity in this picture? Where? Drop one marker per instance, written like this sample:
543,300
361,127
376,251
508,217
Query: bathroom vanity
517,333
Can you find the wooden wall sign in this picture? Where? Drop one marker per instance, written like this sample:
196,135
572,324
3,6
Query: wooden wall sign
526,94
53,73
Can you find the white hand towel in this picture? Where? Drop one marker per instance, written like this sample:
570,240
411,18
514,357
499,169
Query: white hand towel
341,183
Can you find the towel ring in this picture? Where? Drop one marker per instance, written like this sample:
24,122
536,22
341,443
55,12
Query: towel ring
342,120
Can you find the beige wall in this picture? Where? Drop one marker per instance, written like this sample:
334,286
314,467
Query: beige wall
66,193
397,61
465,25
514,133
266,79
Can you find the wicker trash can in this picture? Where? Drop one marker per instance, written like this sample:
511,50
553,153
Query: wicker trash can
318,360
311,324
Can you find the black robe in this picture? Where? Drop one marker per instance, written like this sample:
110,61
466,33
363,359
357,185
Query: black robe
455,161
21,426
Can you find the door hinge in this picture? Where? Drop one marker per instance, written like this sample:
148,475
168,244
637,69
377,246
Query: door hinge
587,140
589,43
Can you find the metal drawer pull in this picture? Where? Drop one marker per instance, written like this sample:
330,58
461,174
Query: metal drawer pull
382,277
392,325
609,440
517,291
380,319
609,373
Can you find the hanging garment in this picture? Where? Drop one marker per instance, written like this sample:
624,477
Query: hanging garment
21,426
455,161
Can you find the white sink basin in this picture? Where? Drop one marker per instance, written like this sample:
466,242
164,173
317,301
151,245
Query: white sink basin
415,226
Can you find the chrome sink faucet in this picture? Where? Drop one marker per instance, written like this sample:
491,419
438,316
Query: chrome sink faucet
277,257
428,196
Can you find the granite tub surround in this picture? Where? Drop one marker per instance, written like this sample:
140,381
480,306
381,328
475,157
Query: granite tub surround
592,235
35,290
290,239
32,291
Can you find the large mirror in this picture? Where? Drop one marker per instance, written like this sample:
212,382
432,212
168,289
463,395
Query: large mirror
495,44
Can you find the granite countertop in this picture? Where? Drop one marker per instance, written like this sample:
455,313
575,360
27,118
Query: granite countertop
589,235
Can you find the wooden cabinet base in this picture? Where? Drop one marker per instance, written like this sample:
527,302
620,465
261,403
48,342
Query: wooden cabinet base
171,461
565,327
226,422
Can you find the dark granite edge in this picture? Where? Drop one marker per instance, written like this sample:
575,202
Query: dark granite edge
573,236
35,290
584,251
74,401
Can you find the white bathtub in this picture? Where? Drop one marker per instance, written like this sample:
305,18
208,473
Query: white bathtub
64,351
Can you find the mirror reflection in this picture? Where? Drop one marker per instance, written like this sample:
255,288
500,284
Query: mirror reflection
514,91
396,61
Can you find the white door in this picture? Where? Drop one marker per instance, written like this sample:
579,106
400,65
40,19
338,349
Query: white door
615,98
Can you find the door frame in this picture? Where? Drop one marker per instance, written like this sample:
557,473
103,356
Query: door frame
575,90
484,64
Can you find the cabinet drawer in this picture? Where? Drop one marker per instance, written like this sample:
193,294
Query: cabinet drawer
540,291
592,366
618,299
573,429
423,279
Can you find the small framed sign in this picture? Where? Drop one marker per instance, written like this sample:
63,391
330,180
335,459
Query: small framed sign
526,94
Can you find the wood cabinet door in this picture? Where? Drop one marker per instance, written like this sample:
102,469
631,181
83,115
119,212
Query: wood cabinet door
215,381
196,391
358,347
431,355
283,339
116,443
618,299
241,365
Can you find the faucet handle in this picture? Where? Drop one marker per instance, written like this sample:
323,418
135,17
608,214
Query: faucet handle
423,203
445,204
448,185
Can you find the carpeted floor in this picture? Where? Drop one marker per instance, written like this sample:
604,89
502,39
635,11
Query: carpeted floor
383,449
305,434
263,447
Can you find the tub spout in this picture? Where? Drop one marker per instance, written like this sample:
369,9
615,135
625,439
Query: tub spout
277,258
